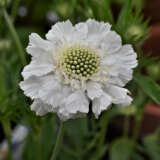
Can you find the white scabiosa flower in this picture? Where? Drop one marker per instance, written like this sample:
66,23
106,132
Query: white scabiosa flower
77,65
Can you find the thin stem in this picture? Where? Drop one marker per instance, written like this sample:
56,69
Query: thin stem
58,142
138,122
38,139
104,127
126,126
7,132
15,37
103,132
14,9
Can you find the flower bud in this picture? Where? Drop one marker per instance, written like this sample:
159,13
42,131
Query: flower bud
135,31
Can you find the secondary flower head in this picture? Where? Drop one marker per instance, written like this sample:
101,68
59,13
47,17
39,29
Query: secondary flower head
77,65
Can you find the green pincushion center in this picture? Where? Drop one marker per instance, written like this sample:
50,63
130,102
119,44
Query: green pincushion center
80,61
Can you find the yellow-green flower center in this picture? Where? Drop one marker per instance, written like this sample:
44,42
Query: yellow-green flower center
79,62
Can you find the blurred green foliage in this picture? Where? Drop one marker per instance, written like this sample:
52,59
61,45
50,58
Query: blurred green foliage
84,138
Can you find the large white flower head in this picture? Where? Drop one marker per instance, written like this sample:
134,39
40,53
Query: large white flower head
77,65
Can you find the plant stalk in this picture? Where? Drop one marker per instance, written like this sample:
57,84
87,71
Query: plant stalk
126,126
15,37
14,9
58,142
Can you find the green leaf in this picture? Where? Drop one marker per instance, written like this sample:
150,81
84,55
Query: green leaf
72,133
29,152
152,146
40,144
48,137
106,13
150,87
124,16
121,149
145,61
98,154
137,156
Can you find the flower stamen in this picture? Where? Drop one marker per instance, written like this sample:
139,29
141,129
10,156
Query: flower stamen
79,62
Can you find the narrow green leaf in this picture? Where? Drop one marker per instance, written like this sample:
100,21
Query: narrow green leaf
146,61
121,149
124,15
150,87
152,146
29,151
107,13
48,137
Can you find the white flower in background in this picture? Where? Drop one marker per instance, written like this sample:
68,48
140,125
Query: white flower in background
77,65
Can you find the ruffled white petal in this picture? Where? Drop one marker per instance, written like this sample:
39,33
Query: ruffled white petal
100,104
42,57
75,84
61,33
111,43
108,60
31,87
97,28
96,31
93,90
39,107
127,57
81,30
75,103
118,94
120,65
37,68
126,102
37,46
46,88
127,61
51,93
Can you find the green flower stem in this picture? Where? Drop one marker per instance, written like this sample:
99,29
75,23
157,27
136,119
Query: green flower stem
103,133
38,141
7,132
138,123
15,37
58,142
126,126
14,9
139,118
